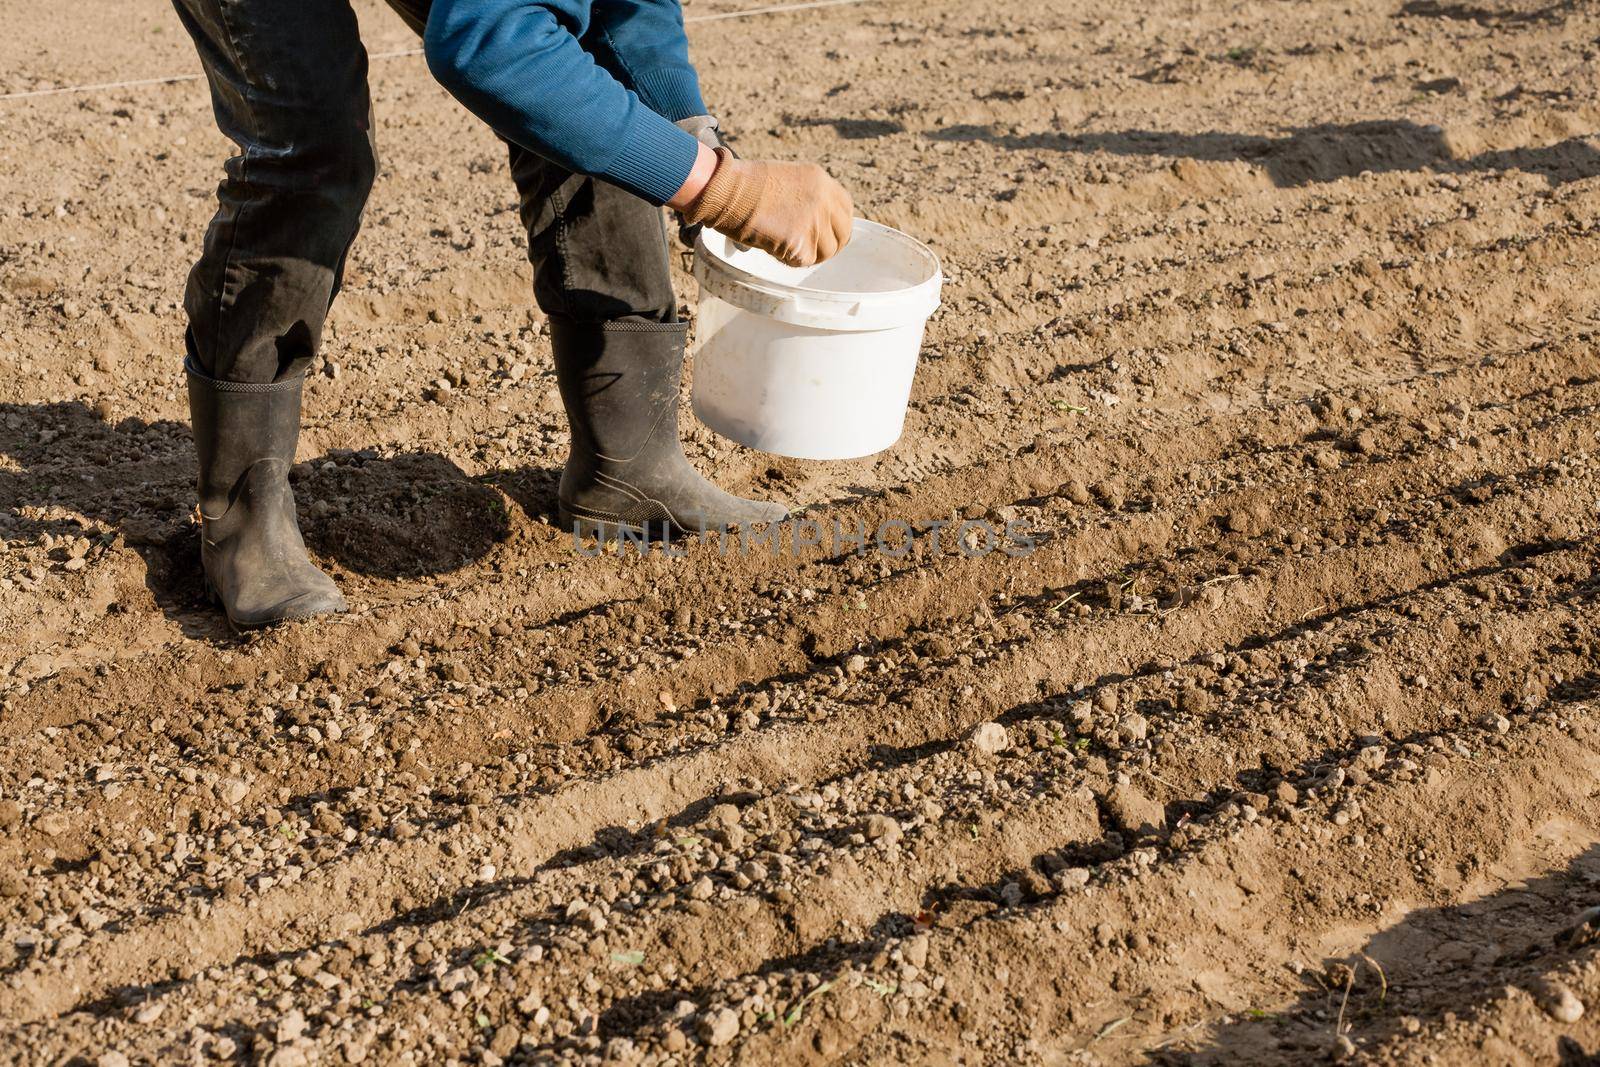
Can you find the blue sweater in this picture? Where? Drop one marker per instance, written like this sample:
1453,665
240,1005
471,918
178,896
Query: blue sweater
594,85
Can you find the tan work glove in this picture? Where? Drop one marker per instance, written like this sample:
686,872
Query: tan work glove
793,211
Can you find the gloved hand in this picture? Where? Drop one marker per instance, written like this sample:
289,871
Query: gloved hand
708,131
793,211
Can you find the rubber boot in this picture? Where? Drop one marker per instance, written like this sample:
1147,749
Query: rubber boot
627,472
255,561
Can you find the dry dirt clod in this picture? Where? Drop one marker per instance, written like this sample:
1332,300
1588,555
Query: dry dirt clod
1132,812
232,791
505,1039
1242,521
990,739
290,1026
1583,928
718,1027
52,825
915,951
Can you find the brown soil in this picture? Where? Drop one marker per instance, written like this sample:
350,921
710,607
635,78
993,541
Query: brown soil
1275,319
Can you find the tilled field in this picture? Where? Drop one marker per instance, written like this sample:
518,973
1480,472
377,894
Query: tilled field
1273,319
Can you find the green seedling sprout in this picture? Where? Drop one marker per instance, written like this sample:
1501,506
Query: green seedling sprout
794,1014
486,959
883,989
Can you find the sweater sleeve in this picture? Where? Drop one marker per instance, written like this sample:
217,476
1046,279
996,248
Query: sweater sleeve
519,66
645,41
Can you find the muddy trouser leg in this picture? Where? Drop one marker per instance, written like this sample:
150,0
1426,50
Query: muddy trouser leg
599,253
289,87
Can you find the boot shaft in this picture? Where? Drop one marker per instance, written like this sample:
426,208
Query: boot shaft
619,384
627,471
238,426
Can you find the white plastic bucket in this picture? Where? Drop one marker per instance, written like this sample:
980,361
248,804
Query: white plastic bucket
812,362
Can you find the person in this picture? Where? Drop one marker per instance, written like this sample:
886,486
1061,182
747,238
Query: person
602,112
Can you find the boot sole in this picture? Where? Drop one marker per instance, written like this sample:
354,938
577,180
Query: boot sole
239,627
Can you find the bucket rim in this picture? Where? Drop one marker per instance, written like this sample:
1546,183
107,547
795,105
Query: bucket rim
933,280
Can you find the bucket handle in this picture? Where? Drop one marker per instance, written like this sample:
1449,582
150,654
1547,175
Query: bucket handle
819,307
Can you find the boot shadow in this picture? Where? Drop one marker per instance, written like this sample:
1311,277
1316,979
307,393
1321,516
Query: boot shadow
409,515
534,491
65,471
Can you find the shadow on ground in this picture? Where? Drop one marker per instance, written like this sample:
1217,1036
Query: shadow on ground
1492,18
403,516
1309,154
1434,962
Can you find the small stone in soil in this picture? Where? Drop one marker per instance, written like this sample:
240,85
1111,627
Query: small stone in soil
1558,1001
882,828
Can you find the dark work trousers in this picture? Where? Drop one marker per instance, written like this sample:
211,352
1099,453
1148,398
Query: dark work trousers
289,87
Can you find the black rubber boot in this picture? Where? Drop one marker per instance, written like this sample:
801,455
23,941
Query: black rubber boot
627,471
255,562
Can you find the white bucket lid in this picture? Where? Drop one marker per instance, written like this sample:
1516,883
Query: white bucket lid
881,280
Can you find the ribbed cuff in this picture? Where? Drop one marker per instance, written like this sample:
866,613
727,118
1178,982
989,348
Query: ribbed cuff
672,92
728,202
223,385
654,159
